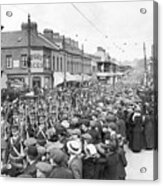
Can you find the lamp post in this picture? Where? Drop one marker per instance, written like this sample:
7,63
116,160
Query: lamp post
64,55
82,63
29,52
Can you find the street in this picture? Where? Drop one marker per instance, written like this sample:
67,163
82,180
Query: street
140,165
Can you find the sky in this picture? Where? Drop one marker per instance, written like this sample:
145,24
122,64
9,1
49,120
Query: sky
119,27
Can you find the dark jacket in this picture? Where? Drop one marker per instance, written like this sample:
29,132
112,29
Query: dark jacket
149,131
121,127
31,170
61,172
112,161
122,163
89,168
137,134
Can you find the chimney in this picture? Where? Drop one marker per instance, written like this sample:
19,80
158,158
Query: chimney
56,35
100,49
33,27
48,33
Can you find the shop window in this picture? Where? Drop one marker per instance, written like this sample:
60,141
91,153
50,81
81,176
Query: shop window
9,61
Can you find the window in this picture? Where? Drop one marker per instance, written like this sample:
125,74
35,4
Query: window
57,63
67,66
54,68
24,60
61,65
8,61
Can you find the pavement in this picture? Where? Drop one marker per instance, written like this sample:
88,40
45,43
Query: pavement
140,165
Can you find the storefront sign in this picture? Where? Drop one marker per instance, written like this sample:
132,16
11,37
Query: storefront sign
36,61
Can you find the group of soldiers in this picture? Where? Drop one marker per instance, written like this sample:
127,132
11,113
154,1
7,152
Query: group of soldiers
75,133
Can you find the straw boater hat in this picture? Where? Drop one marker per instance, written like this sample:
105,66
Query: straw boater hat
74,147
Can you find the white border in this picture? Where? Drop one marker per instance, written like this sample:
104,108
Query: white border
53,182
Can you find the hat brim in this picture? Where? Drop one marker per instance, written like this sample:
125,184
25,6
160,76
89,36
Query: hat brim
70,148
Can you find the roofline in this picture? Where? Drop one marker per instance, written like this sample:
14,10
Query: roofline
33,46
48,41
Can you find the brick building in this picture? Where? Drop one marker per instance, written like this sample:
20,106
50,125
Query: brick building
53,58
15,53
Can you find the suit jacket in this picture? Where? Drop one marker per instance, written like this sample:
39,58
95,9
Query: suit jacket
122,163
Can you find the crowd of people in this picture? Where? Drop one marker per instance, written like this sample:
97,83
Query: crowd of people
74,133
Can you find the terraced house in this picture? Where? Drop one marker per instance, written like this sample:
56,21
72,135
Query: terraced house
53,57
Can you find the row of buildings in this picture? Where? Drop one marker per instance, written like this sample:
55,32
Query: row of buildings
53,58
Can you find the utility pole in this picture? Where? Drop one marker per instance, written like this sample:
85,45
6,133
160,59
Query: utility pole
65,66
82,63
29,52
145,65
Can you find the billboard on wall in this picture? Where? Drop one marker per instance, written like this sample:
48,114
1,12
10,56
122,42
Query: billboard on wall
37,61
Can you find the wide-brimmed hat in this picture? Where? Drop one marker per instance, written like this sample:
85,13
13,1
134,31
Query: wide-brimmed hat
74,147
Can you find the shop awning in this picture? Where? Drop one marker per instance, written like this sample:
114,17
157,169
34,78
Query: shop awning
58,78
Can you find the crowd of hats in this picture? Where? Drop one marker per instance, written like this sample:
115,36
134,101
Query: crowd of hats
80,122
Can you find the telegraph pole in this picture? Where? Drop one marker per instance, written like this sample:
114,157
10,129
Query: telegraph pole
82,63
29,52
65,66
145,65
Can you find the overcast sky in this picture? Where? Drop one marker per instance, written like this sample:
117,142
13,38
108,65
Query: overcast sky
119,27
